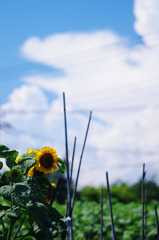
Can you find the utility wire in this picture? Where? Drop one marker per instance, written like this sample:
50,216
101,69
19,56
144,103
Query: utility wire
79,111
71,57
90,148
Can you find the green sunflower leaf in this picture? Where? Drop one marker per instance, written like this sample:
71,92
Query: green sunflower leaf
61,165
5,192
28,164
6,178
12,215
41,217
3,207
27,157
1,165
20,188
2,148
1,183
8,193
18,199
43,182
9,155
10,161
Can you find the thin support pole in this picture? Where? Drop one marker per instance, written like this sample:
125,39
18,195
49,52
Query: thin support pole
78,172
110,207
146,214
68,207
73,154
67,162
143,203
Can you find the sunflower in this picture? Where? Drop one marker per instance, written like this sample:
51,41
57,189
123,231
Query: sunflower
14,174
27,152
34,171
17,159
31,171
49,194
32,150
46,160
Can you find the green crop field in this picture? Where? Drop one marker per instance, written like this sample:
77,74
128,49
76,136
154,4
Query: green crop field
127,219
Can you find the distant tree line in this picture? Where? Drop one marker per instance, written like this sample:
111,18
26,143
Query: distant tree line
122,192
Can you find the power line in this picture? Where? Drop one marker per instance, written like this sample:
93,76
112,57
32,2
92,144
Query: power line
71,57
90,148
78,111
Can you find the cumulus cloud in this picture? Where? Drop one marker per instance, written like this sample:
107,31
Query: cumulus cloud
147,17
100,72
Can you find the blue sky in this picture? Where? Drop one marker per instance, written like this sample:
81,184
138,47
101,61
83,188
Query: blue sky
20,20
104,56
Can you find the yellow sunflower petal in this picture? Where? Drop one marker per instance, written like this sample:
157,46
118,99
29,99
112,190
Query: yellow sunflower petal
49,194
53,185
46,160
17,159
31,171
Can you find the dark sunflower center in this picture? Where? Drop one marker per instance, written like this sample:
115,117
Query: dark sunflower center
15,175
47,160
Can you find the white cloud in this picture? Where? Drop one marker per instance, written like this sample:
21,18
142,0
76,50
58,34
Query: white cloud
147,17
101,73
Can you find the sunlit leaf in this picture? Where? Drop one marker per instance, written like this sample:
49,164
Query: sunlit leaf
1,165
61,165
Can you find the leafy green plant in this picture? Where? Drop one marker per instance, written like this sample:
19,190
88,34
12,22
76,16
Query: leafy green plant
127,219
27,211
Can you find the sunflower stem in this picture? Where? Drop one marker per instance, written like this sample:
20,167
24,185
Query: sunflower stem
19,227
11,225
4,229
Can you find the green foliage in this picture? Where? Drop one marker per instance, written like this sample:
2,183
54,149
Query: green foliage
127,220
120,191
25,214
1,165
9,155
61,165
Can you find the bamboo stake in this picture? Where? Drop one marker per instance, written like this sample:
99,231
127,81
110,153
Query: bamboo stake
110,207
146,214
143,203
75,188
73,154
68,207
